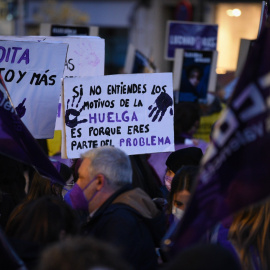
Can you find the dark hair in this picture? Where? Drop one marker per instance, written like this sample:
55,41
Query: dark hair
81,254
42,220
40,186
65,171
184,179
76,163
250,233
184,157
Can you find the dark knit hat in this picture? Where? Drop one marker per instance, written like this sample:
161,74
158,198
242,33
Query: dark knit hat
182,157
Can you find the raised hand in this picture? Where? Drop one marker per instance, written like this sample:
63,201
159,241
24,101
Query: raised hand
20,109
71,116
162,103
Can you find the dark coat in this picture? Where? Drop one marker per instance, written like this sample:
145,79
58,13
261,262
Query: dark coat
131,221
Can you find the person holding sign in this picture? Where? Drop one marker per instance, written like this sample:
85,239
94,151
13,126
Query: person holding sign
119,215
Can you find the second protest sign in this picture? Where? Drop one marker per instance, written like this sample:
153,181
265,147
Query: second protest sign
133,112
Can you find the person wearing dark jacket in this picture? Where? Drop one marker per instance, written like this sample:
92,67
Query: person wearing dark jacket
121,215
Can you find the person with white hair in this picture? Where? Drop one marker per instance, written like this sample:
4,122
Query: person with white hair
119,214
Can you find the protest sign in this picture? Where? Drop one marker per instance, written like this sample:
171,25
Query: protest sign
85,57
17,142
133,112
194,74
234,171
137,62
191,36
33,71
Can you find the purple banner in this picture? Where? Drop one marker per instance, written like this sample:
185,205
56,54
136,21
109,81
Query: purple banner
192,36
17,142
235,170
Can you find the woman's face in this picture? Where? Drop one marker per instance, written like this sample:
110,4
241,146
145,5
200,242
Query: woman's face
194,78
180,199
168,178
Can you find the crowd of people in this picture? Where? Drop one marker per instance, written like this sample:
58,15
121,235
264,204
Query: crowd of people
115,210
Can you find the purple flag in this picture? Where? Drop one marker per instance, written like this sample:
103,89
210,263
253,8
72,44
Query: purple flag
17,142
235,170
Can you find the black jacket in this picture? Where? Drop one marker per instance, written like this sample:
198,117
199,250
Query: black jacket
131,221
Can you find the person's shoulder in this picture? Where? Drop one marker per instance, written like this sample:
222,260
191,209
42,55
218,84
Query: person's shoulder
113,217
118,210
118,219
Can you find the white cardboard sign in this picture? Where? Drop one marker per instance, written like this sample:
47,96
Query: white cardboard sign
133,112
32,72
85,57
